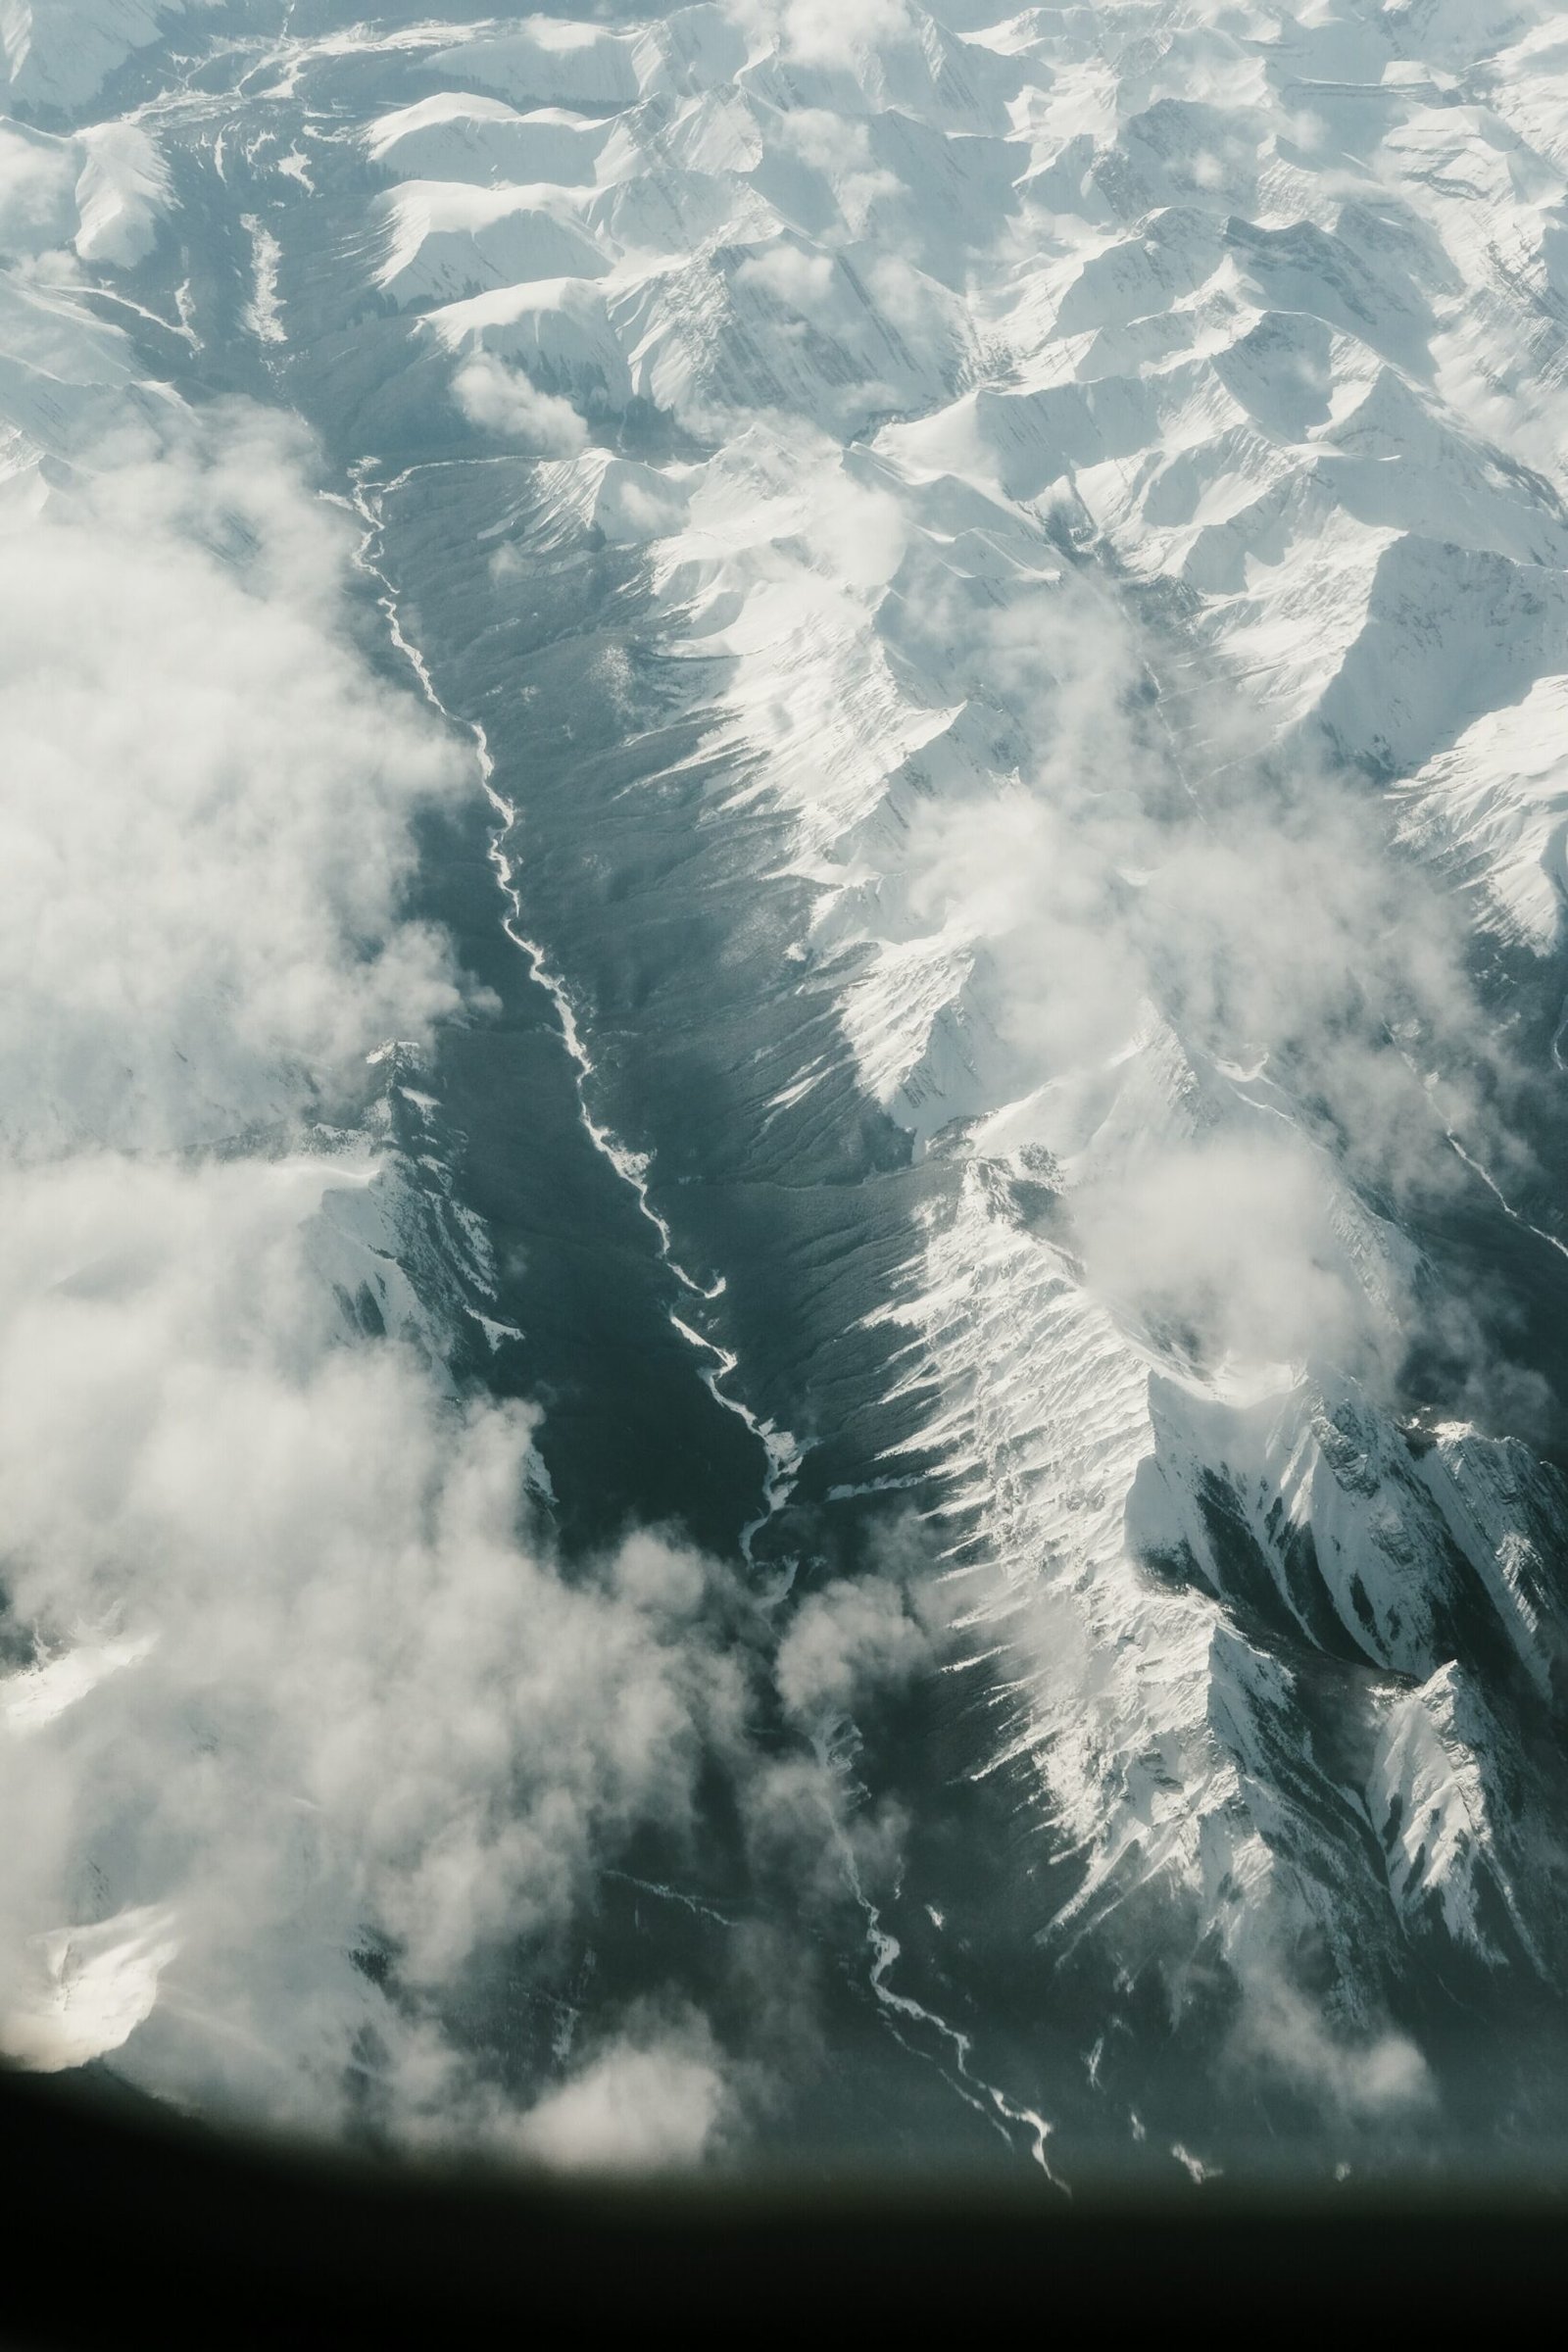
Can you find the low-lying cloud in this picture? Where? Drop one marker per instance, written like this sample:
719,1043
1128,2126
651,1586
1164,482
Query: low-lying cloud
655,2096
341,1693
503,401
206,836
1366,2074
305,1718
1232,1025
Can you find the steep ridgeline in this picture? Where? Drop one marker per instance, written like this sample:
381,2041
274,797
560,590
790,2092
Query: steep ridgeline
1014,573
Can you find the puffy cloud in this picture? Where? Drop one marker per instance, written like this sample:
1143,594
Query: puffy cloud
839,149
305,1679
207,832
331,1688
1222,1009
651,2098
825,33
1225,1243
308,1684
851,1639
633,509
293,1675
37,182
305,1721
501,400
801,281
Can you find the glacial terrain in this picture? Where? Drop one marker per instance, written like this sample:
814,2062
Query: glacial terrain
783,1121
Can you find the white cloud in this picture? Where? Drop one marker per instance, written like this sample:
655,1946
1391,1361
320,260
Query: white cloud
825,33
1223,1003
353,1696
206,832
295,1673
640,2104
37,182
301,1676
1225,1240
637,505
844,1644
801,281
501,400
861,537
1360,2076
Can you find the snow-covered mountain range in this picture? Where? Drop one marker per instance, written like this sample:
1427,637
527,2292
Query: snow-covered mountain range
906,670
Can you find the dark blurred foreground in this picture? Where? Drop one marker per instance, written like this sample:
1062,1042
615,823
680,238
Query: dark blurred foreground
122,2224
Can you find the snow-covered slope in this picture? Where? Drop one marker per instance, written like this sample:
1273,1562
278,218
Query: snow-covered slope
1091,482
1104,423
1236,304
56,53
